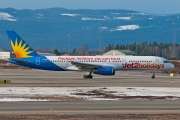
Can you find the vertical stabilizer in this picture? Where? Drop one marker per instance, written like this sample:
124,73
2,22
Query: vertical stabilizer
20,47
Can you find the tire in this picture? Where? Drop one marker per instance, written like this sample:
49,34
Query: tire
153,77
84,76
90,76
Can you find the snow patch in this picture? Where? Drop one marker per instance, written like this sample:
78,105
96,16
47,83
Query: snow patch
40,15
6,16
70,15
106,17
88,93
18,100
104,28
122,18
140,13
86,18
115,13
126,27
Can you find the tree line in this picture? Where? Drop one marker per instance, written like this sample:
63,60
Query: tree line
168,50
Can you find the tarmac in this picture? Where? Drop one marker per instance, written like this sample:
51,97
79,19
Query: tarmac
40,78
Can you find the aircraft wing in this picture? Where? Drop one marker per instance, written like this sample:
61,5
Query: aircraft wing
85,65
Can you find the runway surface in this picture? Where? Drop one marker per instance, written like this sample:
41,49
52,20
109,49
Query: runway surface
96,107
38,78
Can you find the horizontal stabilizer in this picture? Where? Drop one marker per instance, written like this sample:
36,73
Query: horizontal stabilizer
18,60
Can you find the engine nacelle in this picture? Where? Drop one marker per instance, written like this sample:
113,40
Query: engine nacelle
106,70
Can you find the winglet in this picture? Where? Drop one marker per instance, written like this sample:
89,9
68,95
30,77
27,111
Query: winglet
20,47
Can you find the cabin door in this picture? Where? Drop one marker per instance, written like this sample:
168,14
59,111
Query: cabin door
67,62
157,61
123,61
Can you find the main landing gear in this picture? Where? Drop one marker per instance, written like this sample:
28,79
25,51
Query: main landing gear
88,76
153,75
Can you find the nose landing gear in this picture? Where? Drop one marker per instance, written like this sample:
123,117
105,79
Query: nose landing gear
153,75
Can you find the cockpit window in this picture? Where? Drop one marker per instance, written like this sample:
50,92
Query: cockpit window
166,61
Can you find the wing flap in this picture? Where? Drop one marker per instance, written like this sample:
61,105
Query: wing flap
85,65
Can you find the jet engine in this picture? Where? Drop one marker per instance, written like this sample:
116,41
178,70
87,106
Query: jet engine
105,70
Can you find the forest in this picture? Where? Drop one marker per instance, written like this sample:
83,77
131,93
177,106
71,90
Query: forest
168,50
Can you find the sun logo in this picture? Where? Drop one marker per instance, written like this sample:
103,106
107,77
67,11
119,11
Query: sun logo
19,50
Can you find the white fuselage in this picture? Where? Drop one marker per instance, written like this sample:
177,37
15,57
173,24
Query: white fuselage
117,62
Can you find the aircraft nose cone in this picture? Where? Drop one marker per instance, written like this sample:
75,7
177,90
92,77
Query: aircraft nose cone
172,66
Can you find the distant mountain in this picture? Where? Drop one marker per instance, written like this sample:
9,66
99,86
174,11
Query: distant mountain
47,28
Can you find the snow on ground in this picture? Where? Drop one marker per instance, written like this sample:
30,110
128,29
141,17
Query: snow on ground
126,27
86,18
70,15
6,16
87,93
122,18
18,99
151,18
40,15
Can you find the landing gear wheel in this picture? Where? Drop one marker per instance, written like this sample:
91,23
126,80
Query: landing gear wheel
87,76
153,77
90,76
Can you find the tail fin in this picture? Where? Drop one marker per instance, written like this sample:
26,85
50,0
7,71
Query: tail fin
20,47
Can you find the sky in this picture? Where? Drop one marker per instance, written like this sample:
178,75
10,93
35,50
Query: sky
147,6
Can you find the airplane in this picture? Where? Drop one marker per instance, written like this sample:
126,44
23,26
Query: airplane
101,65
